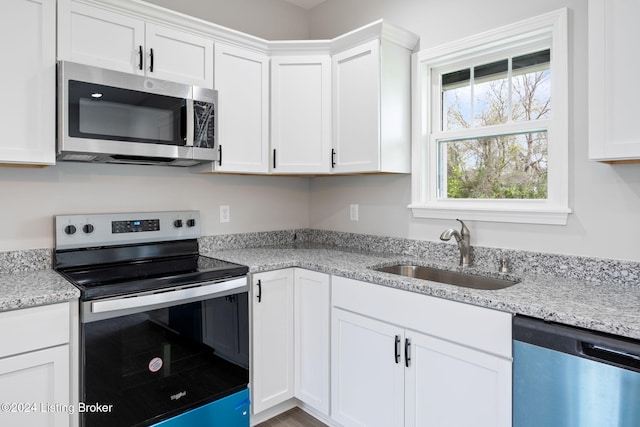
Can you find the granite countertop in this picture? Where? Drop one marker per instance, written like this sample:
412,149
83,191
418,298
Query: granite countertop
606,307
602,295
32,288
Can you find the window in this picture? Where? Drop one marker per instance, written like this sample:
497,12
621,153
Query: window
490,126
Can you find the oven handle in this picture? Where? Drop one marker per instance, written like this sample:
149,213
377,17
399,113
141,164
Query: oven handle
162,298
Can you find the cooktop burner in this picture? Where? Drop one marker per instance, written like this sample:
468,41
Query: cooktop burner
139,276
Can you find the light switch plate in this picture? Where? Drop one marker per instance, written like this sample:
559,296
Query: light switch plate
353,212
225,213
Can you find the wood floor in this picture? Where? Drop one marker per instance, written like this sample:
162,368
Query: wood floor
295,417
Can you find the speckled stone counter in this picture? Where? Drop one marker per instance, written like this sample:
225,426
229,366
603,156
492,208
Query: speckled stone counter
612,307
598,294
31,288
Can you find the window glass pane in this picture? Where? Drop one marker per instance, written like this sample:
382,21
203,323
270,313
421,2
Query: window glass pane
456,100
532,86
491,94
494,167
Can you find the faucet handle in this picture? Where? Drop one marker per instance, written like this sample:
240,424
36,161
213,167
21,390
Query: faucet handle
464,231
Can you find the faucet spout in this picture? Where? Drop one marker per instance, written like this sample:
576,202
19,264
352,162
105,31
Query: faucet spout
463,239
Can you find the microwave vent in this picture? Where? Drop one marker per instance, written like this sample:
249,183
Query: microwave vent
74,157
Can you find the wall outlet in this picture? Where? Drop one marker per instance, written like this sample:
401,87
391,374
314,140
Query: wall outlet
353,212
225,213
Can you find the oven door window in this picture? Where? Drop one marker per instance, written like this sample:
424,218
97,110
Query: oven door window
157,364
109,113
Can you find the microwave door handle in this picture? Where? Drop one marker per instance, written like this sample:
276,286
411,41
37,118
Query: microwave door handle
190,119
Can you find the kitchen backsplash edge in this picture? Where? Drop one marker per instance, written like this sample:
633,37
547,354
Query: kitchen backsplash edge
519,261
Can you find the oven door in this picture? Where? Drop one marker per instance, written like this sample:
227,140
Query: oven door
147,358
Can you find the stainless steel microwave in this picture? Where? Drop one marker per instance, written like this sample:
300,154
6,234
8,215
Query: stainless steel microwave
108,116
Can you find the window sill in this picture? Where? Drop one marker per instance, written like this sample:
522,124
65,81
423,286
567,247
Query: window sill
528,215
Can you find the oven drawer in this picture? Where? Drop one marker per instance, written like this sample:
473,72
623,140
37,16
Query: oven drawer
34,328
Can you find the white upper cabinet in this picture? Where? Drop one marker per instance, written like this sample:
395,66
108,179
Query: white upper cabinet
613,91
301,114
103,38
27,108
371,104
242,82
179,56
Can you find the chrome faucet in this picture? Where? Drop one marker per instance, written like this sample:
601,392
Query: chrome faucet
463,238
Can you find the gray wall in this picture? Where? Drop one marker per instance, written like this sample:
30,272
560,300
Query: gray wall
605,199
31,197
269,19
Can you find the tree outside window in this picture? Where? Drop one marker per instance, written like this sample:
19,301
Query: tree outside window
494,164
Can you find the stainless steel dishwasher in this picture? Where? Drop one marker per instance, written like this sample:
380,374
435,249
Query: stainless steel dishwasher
571,377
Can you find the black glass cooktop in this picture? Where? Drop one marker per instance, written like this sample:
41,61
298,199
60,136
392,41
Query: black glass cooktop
99,274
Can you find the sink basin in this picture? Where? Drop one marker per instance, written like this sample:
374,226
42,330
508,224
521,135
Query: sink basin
449,277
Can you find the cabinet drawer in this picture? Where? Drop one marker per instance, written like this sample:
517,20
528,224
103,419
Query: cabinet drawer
478,327
34,328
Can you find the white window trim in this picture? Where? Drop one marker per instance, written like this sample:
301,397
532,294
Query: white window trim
554,209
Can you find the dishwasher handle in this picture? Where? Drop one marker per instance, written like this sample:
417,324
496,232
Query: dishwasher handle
597,346
610,355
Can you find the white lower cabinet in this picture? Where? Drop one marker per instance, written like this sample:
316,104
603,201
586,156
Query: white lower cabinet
312,325
37,387
403,359
367,381
272,374
291,325
448,384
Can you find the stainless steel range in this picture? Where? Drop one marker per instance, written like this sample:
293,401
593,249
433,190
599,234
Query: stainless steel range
164,330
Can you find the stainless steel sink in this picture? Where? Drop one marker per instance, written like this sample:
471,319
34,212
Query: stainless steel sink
449,277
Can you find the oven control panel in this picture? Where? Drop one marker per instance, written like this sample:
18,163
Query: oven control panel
95,230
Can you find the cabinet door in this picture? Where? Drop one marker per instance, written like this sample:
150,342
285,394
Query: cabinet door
178,56
27,107
242,82
272,373
613,87
39,380
356,109
312,326
367,380
94,36
300,114
453,385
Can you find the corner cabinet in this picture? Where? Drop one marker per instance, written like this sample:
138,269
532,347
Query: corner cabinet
301,114
106,38
35,367
27,109
372,105
312,326
433,361
291,326
613,91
